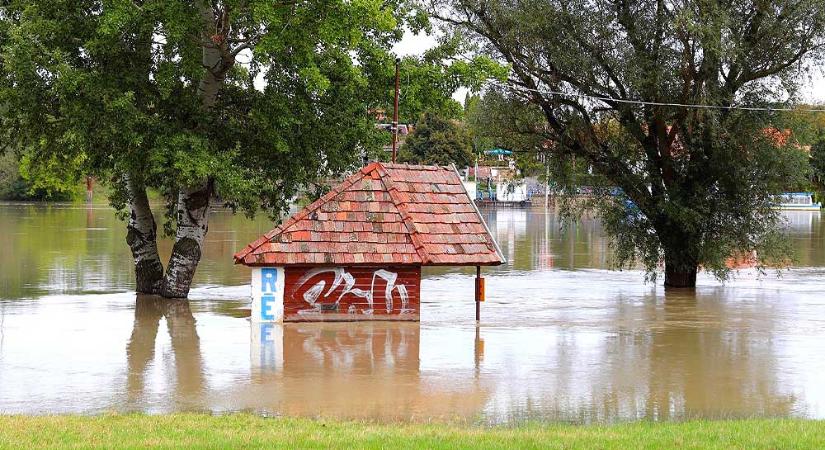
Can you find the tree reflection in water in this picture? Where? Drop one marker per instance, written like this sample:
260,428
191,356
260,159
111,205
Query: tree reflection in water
706,360
684,355
185,344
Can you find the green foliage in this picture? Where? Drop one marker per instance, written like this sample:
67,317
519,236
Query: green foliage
110,88
699,180
428,81
806,127
729,207
438,141
496,120
32,186
55,178
818,161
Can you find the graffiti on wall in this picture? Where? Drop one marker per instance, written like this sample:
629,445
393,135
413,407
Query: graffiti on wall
320,297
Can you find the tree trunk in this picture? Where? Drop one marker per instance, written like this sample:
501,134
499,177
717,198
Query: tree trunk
192,217
680,269
193,202
216,57
141,236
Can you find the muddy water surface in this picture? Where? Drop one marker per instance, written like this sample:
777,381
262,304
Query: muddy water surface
562,338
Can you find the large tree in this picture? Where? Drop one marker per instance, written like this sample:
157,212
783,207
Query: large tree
609,77
437,140
240,100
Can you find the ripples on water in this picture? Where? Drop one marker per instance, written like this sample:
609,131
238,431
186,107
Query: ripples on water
561,338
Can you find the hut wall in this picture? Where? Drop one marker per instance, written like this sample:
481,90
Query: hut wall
267,294
351,293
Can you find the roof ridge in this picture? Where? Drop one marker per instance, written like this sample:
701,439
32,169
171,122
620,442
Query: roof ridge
392,190
312,207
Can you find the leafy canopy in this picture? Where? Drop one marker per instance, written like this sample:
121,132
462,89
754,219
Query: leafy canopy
698,181
428,81
114,87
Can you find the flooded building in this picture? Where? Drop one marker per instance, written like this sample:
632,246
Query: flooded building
356,253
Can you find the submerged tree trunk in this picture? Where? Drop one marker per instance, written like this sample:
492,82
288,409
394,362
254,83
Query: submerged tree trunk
192,217
680,268
141,236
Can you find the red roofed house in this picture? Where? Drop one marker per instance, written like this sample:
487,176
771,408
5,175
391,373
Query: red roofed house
356,253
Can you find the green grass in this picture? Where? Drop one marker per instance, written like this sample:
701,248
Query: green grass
246,430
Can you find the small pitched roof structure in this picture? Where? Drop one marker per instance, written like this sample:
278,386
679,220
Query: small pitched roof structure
388,214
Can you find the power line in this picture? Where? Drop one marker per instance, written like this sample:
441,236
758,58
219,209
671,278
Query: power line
642,102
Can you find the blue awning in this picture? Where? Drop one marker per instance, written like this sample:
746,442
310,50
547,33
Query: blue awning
498,151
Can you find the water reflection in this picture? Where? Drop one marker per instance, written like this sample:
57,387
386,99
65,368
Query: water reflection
540,239
699,361
91,255
560,338
354,370
188,386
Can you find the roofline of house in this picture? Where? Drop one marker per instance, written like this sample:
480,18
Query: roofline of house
381,168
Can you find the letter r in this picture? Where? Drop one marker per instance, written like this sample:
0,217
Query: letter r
269,276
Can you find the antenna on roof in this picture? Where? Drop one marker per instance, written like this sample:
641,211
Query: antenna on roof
395,114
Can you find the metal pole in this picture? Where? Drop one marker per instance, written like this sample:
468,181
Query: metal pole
478,294
395,113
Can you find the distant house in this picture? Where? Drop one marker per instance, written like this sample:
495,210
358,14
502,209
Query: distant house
494,174
357,252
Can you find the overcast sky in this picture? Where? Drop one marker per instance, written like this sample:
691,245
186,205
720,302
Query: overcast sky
812,92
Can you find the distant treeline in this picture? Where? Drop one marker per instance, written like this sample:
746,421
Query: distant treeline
14,187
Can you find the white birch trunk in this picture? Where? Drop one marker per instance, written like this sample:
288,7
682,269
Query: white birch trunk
193,201
141,236
193,224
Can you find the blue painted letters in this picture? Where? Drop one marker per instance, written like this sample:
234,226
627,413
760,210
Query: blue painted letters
269,277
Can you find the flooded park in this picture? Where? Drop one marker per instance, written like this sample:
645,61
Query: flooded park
561,338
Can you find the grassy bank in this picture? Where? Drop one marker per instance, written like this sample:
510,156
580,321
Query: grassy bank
244,430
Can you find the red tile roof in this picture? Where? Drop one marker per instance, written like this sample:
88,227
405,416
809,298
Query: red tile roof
383,214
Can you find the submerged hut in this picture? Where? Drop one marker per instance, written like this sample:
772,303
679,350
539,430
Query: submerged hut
356,253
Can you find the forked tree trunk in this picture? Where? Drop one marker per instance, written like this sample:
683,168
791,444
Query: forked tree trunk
141,236
192,218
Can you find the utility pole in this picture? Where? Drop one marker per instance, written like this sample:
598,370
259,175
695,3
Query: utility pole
395,113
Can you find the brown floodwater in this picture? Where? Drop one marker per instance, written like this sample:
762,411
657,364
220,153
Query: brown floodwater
561,337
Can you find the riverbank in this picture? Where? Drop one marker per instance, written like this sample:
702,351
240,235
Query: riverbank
247,430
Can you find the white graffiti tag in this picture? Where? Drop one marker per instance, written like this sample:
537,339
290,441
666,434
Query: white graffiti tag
315,292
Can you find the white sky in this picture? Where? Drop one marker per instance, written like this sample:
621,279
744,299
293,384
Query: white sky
813,90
